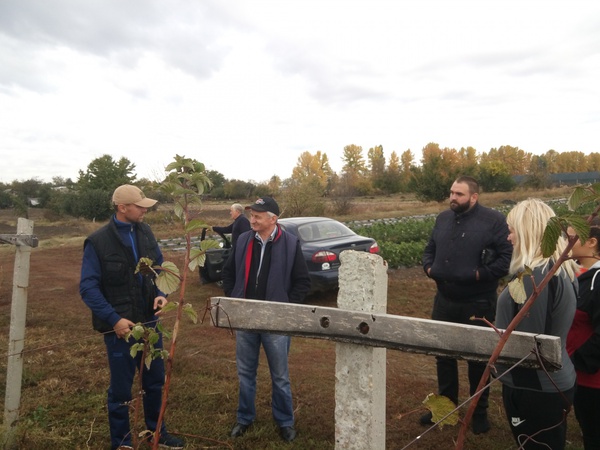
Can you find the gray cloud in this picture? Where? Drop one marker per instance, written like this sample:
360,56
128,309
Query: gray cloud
180,33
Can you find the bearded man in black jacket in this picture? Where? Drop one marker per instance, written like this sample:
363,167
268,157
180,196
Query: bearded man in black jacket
467,253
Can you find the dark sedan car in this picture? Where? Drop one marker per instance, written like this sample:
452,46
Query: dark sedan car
322,240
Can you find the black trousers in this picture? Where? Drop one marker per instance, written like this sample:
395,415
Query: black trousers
447,368
587,412
539,415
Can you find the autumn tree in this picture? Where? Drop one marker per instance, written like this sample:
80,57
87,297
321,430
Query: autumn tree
515,159
571,162
468,161
593,162
313,170
354,170
406,162
304,191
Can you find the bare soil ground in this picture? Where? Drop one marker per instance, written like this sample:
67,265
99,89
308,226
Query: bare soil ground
65,371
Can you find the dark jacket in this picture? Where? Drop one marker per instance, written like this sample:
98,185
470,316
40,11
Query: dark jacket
108,285
240,225
283,276
583,342
462,244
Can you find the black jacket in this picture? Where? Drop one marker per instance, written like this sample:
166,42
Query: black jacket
240,225
131,296
463,244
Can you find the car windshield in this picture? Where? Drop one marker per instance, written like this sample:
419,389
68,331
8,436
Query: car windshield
327,229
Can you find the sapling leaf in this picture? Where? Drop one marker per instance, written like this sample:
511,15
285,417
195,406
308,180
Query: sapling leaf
440,407
190,312
137,331
168,280
144,266
170,306
148,361
581,227
153,338
195,224
516,288
135,348
551,234
577,198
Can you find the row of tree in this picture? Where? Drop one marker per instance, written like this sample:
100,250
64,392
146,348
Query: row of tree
312,180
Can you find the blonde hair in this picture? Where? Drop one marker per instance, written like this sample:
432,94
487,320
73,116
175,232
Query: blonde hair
528,220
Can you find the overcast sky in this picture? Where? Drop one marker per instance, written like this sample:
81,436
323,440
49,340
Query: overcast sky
247,86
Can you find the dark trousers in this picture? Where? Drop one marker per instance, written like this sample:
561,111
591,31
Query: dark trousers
447,368
539,415
122,372
587,412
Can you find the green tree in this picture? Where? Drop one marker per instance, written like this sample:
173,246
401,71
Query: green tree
302,199
538,173
493,176
238,189
439,168
33,188
390,181
106,174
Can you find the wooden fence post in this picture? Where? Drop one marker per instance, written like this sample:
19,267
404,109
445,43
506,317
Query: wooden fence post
14,369
360,370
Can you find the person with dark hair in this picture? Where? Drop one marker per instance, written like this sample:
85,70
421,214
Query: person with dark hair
466,255
119,298
536,401
583,341
240,223
265,264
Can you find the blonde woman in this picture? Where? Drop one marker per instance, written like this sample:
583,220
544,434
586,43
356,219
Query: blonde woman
535,402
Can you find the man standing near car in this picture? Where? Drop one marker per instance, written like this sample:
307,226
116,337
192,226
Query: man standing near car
265,264
467,253
240,223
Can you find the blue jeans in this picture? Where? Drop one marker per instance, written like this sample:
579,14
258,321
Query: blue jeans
247,355
122,372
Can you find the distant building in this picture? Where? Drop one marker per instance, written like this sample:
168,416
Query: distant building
568,179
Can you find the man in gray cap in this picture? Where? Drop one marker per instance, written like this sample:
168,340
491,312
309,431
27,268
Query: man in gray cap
119,298
265,264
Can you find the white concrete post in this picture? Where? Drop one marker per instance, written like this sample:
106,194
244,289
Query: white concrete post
360,391
14,369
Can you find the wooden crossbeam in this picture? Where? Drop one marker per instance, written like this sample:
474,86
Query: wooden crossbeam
469,342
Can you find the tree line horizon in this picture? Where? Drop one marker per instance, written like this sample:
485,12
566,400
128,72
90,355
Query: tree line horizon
312,177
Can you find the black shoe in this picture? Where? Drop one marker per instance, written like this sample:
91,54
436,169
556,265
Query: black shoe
481,424
288,434
239,429
168,442
426,419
